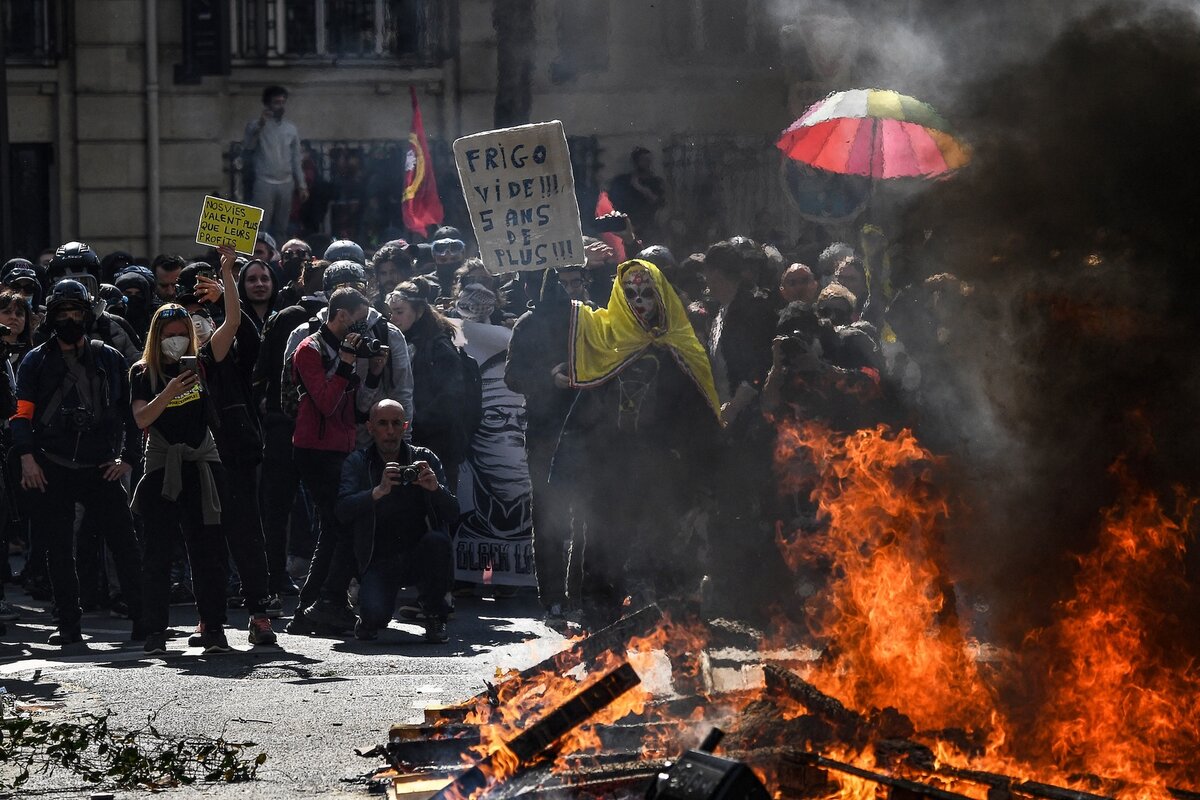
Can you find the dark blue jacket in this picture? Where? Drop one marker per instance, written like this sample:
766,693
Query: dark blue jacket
114,433
355,507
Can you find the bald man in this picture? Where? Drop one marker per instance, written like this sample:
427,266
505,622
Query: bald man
394,500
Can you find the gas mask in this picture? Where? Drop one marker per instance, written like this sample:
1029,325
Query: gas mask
475,303
642,296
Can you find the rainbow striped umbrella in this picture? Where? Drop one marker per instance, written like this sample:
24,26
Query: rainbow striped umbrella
876,133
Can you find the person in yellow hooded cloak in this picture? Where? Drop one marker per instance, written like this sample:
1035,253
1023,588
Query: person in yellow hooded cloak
645,426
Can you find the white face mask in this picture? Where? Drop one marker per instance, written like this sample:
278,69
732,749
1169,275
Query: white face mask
173,347
204,328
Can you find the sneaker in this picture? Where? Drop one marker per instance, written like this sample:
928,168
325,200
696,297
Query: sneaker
333,615
197,637
364,633
210,639
118,608
235,601
214,641
65,635
287,588
435,630
8,612
181,594
411,612
415,613
300,626
156,644
273,607
260,631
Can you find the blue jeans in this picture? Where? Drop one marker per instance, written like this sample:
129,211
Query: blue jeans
427,565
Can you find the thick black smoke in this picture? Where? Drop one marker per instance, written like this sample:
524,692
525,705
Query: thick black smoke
1078,222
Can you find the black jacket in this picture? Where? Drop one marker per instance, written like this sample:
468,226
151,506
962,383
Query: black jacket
439,393
355,507
113,432
269,365
746,339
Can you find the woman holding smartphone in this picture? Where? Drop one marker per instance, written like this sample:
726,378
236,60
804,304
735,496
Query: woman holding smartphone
184,480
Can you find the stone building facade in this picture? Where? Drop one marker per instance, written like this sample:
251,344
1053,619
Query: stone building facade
125,113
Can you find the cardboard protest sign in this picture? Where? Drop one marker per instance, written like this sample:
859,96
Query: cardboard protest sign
521,194
227,222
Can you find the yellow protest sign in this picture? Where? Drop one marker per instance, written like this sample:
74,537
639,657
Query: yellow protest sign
227,222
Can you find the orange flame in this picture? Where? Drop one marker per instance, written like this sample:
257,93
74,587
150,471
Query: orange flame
1117,703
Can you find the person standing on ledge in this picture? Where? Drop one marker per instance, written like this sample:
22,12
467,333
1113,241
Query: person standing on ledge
272,147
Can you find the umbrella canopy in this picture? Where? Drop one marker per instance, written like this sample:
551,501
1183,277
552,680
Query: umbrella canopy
875,133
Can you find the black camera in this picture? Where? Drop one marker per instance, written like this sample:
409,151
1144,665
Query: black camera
369,348
408,474
78,420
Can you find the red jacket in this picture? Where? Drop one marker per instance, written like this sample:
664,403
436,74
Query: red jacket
325,418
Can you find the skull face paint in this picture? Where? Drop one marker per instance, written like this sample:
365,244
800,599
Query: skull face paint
642,296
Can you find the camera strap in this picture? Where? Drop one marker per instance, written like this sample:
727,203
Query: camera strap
77,375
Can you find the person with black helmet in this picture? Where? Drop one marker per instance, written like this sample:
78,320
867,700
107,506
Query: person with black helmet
79,262
77,441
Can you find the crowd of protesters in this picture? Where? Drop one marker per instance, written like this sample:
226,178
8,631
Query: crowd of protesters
215,430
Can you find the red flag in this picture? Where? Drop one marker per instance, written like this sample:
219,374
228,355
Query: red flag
421,206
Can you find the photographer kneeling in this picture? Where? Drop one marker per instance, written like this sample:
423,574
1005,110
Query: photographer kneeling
393,497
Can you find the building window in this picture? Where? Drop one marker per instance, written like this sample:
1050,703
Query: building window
29,31
409,31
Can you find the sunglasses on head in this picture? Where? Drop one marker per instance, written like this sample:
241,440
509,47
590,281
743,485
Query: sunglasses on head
445,247
173,312
359,285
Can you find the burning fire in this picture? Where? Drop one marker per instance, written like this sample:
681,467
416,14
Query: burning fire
524,702
1114,702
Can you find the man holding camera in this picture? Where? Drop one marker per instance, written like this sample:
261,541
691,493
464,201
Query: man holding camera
77,440
379,342
323,368
397,510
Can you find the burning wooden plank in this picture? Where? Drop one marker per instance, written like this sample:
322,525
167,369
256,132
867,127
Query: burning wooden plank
584,651
506,761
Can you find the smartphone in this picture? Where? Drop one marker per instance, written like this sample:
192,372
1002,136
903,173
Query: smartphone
190,362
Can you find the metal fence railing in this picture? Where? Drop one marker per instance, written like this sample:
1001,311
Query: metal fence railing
356,186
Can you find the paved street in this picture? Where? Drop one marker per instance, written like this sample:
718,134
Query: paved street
308,703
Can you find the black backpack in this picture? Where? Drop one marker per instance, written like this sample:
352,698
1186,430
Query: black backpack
290,388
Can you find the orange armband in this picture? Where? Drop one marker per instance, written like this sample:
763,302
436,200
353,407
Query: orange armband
25,409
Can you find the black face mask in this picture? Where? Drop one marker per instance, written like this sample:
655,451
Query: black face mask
69,331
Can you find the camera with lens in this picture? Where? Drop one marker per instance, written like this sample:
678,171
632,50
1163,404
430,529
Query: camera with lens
77,420
369,348
408,473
